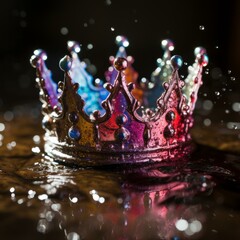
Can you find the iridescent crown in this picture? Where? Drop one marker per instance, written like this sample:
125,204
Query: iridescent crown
124,120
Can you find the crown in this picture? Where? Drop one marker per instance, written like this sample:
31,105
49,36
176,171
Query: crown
124,120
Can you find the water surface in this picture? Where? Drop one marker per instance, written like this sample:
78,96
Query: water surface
196,198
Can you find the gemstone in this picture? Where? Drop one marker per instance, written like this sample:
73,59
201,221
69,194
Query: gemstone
74,133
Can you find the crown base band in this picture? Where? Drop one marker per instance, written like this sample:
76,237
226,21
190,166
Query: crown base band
70,155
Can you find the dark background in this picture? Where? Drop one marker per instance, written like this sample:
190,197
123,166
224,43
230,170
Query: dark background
27,25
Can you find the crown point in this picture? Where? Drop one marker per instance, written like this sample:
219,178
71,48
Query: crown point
40,53
73,46
34,61
96,114
65,63
199,50
203,59
176,62
120,64
122,41
108,86
167,44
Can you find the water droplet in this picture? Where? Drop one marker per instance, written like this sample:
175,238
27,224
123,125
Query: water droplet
73,236
227,111
2,127
49,216
43,197
181,225
95,197
42,225
233,125
89,46
8,116
101,200
85,24
11,145
207,105
64,31
31,194
207,122
73,199
229,71
56,207
112,29
233,78
217,47
91,21
120,200
236,107
20,201
195,226
201,27
217,93
36,150
108,2
36,139
136,20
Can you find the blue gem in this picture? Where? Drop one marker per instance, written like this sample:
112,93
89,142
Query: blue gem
176,61
122,134
175,238
74,133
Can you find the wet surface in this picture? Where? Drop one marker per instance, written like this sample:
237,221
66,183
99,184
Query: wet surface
192,199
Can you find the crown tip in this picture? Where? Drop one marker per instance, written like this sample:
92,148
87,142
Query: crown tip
120,63
201,56
73,46
34,61
38,54
199,50
65,63
203,59
176,62
167,44
122,41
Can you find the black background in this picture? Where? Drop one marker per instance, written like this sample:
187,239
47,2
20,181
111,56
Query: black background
27,25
